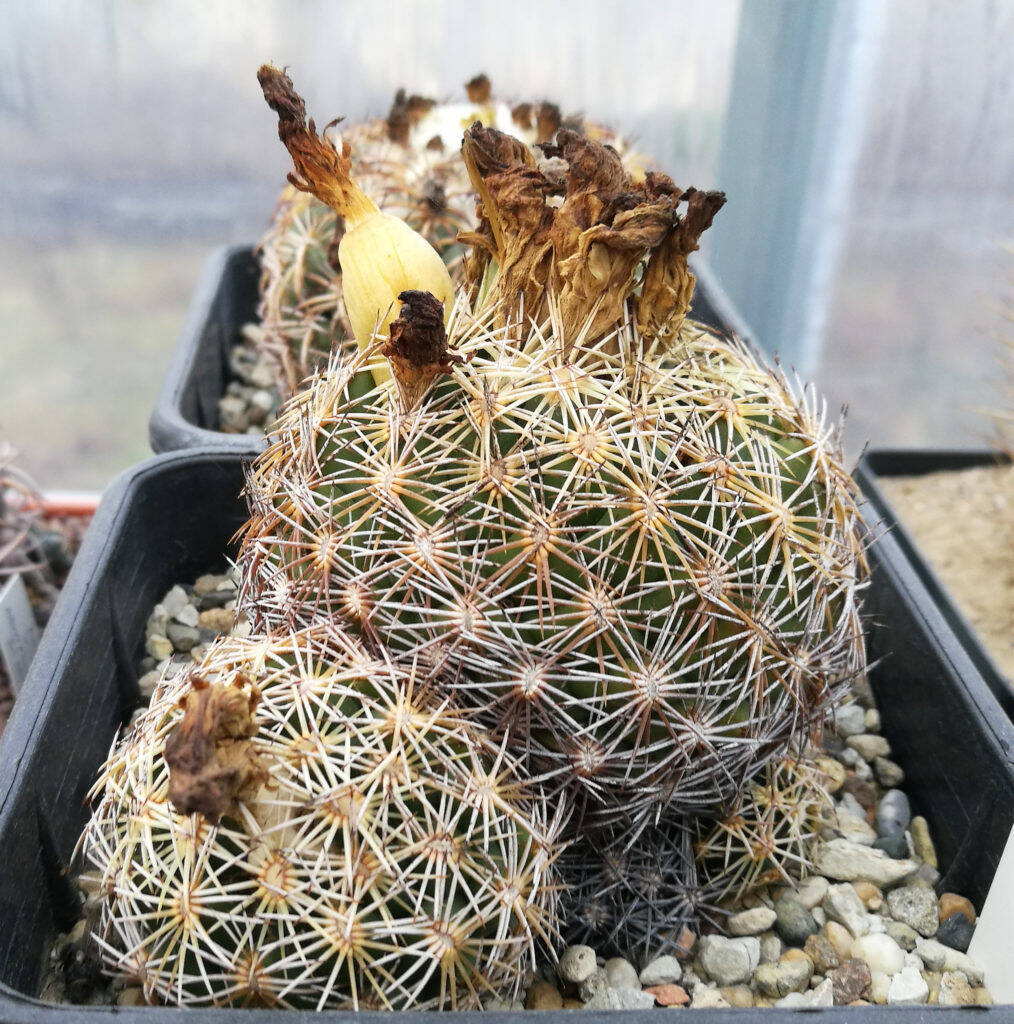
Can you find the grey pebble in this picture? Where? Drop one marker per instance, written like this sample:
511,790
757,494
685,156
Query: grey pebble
938,957
157,621
916,907
794,922
850,805
850,720
894,813
592,985
728,961
903,934
896,846
147,683
494,1003
232,414
183,638
216,599
869,745
621,999
770,948
777,980
620,973
577,963
887,772
664,970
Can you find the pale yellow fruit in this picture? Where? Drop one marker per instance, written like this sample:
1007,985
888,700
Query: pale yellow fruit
381,257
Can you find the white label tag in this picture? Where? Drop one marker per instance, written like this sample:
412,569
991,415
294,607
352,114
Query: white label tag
991,944
19,635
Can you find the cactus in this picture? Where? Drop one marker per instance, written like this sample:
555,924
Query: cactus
620,539
295,823
768,838
638,898
410,165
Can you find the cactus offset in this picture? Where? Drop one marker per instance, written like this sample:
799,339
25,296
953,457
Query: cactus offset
294,823
768,838
636,897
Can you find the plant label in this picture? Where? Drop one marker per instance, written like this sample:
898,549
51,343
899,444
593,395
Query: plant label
990,946
19,635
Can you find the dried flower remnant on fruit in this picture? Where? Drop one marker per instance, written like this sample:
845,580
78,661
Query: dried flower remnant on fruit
405,113
321,170
478,89
668,284
587,248
211,760
417,348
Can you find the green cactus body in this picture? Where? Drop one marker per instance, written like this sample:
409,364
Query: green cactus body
646,575
380,852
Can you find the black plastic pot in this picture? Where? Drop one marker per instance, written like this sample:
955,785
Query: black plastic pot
186,412
171,519
889,462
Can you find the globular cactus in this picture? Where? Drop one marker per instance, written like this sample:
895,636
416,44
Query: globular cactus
620,539
410,165
294,823
638,897
769,836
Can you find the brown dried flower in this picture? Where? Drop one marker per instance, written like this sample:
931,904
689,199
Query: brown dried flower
577,227
211,760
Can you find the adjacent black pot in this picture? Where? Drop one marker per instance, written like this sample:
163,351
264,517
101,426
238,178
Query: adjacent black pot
172,518
186,412
955,628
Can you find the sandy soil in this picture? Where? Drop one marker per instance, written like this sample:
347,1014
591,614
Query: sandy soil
964,523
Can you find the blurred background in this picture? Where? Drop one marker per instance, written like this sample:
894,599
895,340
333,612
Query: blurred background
867,147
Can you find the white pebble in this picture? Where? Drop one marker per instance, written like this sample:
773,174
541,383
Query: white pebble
907,988
175,601
880,952
811,891
577,963
880,985
187,615
751,922
842,904
620,973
